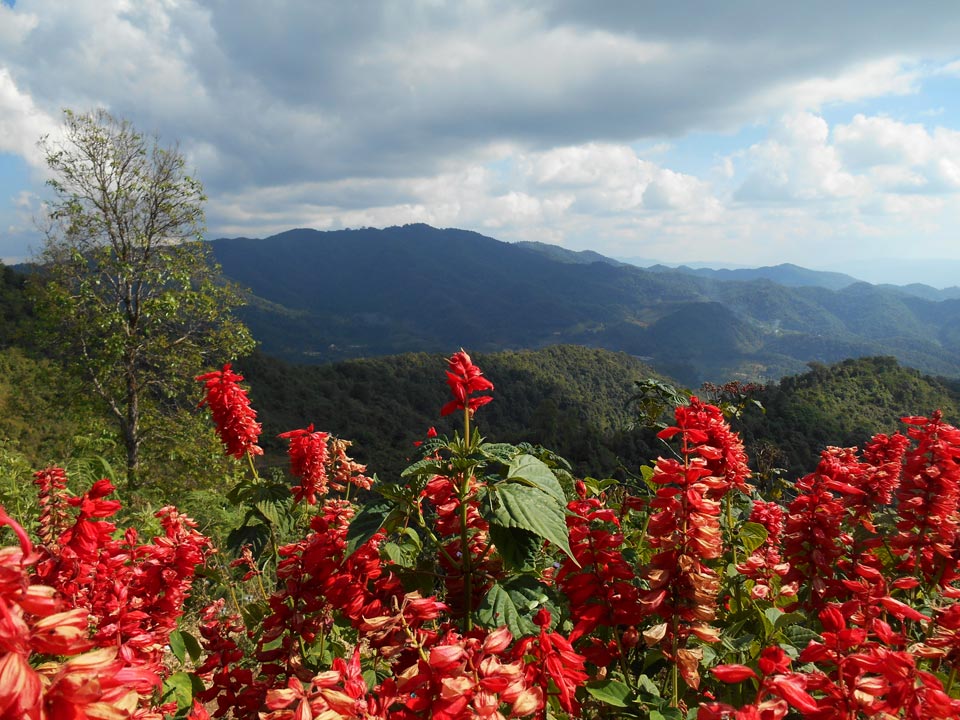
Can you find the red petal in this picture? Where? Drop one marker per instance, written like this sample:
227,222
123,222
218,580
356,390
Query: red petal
793,690
733,673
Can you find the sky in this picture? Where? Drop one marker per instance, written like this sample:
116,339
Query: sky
740,133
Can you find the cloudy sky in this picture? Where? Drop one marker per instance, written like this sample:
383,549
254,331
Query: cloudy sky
745,133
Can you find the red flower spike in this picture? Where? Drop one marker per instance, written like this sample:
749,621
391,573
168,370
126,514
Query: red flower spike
928,499
308,461
684,530
233,417
464,379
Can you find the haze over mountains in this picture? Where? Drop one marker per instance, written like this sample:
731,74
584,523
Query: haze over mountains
324,296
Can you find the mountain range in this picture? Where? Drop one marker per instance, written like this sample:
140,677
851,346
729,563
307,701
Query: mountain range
324,296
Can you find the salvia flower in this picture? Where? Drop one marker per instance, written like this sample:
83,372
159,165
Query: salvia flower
464,379
52,497
600,583
235,420
927,501
308,461
813,539
765,563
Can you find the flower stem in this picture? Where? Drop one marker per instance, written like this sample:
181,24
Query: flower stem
465,556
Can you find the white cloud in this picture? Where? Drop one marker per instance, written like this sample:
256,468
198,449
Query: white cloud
901,156
796,162
15,26
872,79
21,122
867,141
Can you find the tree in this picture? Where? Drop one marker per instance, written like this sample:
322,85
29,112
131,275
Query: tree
130,294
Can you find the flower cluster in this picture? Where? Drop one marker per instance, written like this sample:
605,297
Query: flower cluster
764,566
464,379
308,461
599,583
321,463
233,417
927,501
477,585
90,679
684,532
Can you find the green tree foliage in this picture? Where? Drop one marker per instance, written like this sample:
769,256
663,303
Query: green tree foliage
805,413
16,315
570,399
129,296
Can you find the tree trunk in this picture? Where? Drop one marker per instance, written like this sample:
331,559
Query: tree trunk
131,432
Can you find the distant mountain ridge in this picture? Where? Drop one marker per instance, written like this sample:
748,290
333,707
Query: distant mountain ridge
785,274
325,296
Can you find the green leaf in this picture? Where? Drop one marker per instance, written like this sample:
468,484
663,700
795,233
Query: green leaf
520,506
426,466
648,685
514,603
405,550
791,618
611,692
516,546
753,535
177,646
367,523
766,622
253,614
773,615
192,645
536,473
181,688
646,472
666,713
800,636
504,452
270,511
255,535
598,486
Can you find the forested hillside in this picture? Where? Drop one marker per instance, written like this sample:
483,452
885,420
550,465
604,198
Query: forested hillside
575,401
843,405
571,399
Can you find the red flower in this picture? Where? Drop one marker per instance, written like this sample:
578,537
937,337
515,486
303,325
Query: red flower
344,470
927,502
599,583
465,378
431,433
52,497
554,661
234,418
199,712
765,563
813,537
308,461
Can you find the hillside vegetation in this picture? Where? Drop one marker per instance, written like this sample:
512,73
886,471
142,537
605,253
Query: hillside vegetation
569,398
575,401
843,405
